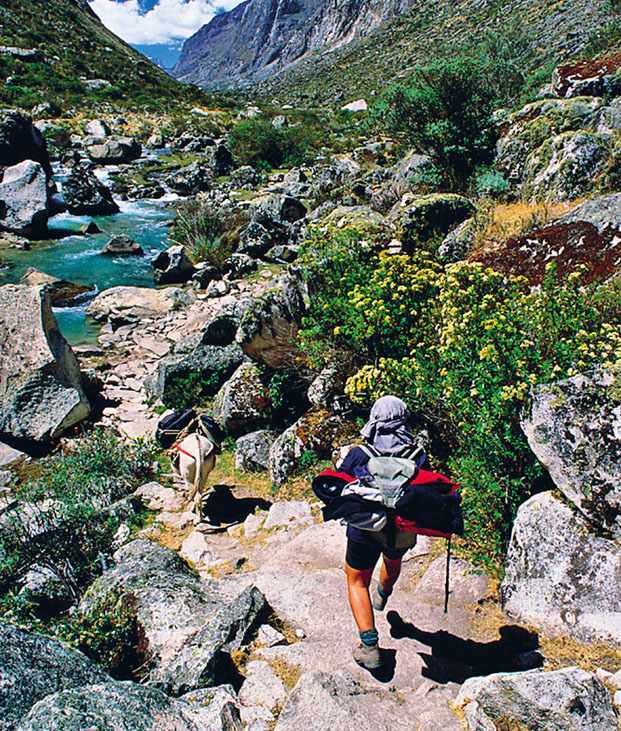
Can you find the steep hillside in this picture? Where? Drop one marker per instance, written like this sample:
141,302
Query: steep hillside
73,48
262,37
542,33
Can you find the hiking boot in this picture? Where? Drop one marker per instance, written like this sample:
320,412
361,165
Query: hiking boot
379,601
367,657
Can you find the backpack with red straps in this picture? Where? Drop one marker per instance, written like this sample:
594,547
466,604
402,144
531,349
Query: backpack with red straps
394,496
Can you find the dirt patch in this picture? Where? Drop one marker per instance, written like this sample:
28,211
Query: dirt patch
590,69
570,245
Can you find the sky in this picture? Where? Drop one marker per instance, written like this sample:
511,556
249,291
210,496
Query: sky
158,27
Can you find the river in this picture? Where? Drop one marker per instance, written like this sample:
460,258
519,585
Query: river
78,258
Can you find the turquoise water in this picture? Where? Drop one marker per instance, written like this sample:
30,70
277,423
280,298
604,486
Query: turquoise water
77,258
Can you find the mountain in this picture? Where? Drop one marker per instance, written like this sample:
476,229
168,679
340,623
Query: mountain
542,34
262,37
74,48
325,50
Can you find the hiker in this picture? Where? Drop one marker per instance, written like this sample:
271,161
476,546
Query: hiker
380,490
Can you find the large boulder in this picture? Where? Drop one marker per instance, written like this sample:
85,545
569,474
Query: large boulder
168,599
603,212
122,246
560,575
24,199
204,368
433,214
528,129
41,393
324,701
252,451
571,246
458,243
569,699
121,305
204,660
62,293
574,428
191,179
20,140
220,160
327,387
268,328
243,403
113,151
172,266
97,128
591,77
564,167
316,432
127,706
255,240
85,195
33,666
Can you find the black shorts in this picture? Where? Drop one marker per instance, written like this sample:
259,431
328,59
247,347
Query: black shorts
363,553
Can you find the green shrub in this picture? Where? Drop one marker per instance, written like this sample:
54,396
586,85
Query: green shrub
287,393
308,459
107,633
61,519
256,142
190,389
203,231
332,264
491,184
481,343
446,108
463,346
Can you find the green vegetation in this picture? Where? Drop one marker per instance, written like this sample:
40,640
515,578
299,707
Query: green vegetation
462,345
107,633
446,109
63,520
206,233
191,389
74,47
258,143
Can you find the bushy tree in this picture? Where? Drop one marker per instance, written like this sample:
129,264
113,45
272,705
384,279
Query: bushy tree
258,143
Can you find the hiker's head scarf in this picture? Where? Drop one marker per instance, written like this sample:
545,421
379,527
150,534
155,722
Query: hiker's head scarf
387,429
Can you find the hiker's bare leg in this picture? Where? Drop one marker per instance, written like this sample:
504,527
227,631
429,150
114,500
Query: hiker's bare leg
389,573
359,600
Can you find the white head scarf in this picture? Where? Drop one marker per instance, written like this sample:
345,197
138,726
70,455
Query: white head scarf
387,429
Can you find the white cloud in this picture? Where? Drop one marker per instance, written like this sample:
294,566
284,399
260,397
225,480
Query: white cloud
167,21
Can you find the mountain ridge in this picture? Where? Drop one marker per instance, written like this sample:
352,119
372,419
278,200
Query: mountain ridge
359,46
261,37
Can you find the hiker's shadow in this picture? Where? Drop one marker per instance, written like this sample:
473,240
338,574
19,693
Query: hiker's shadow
454,659
228,509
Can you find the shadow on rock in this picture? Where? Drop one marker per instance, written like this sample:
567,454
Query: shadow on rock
454,659
221,506
386,672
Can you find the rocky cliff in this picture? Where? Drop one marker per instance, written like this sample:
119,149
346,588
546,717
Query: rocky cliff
322,50
262,37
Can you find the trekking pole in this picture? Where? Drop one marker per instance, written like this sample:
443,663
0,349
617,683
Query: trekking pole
448,570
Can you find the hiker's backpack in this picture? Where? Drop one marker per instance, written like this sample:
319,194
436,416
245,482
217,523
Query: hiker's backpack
400,496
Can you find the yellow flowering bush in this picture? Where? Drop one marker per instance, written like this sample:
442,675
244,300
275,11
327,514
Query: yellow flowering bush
476,349
463,345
